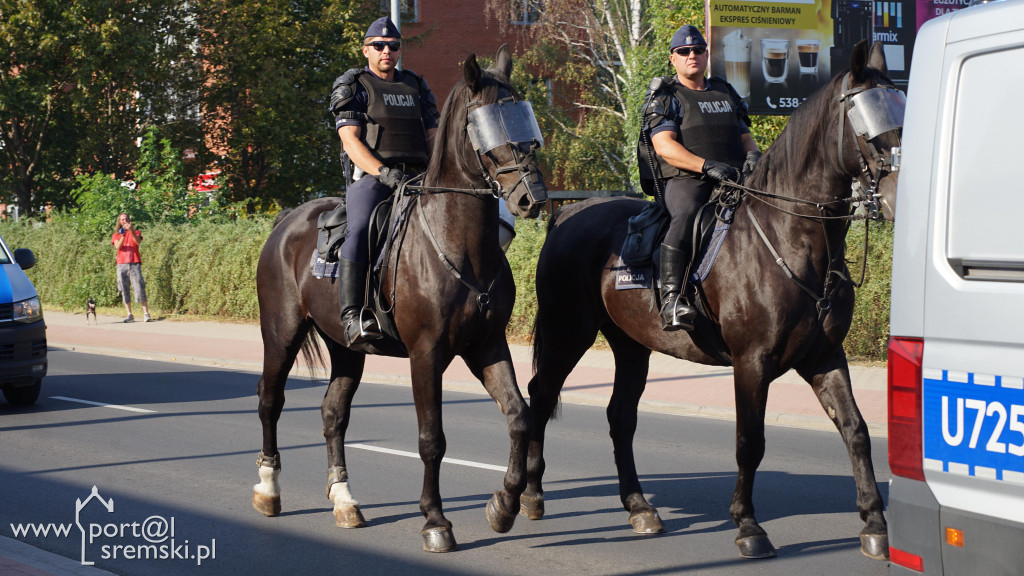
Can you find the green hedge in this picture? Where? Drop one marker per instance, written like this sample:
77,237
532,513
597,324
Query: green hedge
210,270
207,269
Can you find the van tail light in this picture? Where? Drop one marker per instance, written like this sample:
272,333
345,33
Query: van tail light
905,419
906,559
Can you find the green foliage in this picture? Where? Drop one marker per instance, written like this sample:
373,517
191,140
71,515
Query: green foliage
206,268
268,83
869,333
210,269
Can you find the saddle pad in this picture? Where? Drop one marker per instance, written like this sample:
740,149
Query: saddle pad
631,278
321,268
711,252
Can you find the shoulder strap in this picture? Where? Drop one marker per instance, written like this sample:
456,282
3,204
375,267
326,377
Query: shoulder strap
344,89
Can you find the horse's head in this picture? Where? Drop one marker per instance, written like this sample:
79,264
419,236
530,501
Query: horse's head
874,111
493,135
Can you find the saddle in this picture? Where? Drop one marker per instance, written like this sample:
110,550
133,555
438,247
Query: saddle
386,221
639,257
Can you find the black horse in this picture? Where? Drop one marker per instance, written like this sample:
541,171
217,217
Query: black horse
766,322
458,304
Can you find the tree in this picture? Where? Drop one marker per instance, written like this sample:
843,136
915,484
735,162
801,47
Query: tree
600,56
79,80
269,67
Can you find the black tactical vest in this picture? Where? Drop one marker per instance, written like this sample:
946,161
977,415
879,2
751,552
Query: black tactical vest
710,127
394,127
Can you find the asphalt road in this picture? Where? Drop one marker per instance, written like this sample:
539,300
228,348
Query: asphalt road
189,458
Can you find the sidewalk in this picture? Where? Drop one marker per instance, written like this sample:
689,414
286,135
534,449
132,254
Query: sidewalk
673,387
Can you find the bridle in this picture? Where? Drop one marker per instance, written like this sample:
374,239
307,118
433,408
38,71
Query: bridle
874,164
864,188
415,187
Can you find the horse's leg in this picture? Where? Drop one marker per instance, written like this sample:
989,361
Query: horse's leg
632,361
751,389
427,369
559,343
280,347
831,383
493,366
346,371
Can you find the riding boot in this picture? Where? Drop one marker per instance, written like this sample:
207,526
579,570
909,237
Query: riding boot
676,312
352,290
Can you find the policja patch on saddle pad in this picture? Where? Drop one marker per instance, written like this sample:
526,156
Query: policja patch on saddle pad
321,268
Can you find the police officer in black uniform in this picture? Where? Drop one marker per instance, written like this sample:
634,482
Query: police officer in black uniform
699,130
386,119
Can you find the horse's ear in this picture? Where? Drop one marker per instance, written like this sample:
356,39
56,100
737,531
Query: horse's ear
503,61
859,61
471,73
876,59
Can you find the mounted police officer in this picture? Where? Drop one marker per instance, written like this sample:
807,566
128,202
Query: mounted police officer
699,130
386,119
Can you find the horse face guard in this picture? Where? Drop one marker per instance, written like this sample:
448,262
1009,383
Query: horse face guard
876,119
507,134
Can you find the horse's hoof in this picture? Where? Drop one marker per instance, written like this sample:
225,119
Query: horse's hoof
875,546
531,506
266,505
757,546
501,520
646,522
349,517
439,540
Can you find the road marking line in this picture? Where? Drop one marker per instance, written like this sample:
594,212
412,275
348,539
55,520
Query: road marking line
415,455
115,406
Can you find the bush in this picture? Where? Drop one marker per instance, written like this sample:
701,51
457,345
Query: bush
209,269
204,268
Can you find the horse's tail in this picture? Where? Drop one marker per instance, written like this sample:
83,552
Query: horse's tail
311,353
281,216
538,349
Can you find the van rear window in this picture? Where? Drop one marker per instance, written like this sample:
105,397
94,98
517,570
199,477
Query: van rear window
984,219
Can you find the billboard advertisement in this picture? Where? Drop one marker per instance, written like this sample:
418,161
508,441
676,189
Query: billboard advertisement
775,53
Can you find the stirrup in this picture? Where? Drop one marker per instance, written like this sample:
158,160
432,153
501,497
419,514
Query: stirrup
374,332
676,315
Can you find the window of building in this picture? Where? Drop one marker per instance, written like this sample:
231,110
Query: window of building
525,11
410,9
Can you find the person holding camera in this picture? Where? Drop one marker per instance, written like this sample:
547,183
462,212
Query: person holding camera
386,119
129,265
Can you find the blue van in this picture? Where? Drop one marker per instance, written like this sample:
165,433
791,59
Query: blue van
22,330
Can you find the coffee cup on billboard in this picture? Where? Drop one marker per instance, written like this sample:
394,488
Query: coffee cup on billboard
736,47
807,52
774,59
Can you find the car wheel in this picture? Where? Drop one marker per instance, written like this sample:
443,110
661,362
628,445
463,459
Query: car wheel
23,395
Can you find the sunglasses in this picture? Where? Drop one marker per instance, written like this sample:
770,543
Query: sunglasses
394,45
685,51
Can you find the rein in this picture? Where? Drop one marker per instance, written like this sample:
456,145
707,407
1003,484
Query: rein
823,301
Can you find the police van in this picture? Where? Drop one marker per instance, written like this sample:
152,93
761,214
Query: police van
22,330
956,351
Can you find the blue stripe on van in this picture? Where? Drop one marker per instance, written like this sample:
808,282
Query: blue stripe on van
6,294
974,424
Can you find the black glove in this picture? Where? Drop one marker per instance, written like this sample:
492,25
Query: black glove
391,177
719,171
751,162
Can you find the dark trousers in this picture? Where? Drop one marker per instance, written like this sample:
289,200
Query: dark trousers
683,197
362,197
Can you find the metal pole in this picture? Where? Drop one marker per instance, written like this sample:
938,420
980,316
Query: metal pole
396,17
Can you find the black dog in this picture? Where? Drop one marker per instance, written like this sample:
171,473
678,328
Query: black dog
90,308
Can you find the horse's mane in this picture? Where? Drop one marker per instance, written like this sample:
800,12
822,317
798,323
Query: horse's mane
801,141
453,121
